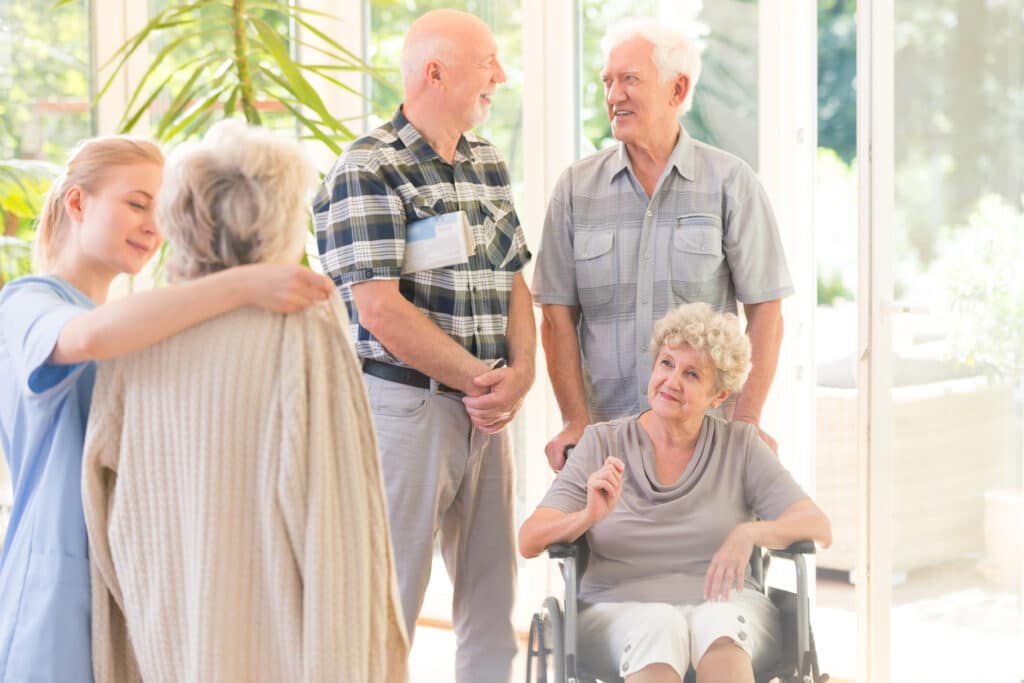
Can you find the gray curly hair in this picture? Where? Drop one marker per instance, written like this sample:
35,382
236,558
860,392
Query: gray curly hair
237,197
717,336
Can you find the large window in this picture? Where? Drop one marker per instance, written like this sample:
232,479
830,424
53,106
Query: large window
44,75
958,341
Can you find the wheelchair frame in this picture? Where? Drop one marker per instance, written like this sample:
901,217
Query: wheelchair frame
554,631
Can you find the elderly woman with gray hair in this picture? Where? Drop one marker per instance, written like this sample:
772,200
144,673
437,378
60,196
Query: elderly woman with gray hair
670,501
231,486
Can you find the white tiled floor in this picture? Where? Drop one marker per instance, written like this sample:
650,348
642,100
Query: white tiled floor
433,658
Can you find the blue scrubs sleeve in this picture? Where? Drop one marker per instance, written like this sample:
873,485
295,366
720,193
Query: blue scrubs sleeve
33,313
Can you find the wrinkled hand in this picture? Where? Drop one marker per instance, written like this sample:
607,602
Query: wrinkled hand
286,288
555,449
729,564
505,389
765,436
604,488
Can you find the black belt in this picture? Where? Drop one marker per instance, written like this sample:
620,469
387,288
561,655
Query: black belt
402,375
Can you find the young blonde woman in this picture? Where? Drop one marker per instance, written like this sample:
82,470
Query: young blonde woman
98,222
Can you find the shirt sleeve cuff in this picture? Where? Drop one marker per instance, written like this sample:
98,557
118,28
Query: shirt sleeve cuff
356,275
766,295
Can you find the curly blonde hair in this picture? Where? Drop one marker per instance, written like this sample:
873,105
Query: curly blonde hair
237,197
717,336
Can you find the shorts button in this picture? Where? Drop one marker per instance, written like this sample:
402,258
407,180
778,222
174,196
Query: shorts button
743,635
741,619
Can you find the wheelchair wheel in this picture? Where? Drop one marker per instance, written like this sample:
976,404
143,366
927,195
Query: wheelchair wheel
545,654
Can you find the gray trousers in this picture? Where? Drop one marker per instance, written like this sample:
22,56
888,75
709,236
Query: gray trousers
443,476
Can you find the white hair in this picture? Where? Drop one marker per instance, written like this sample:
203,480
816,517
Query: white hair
674,53
237,197
417,53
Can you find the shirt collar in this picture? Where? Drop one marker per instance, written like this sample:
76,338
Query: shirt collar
418,145
682,157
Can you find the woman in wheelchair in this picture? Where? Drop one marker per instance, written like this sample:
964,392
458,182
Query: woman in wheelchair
673,502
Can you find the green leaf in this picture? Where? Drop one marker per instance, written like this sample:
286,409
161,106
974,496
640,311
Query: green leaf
330,79
231,102
313,128
297,84
151,71
125,52
132,118
195,111
23,184
186,93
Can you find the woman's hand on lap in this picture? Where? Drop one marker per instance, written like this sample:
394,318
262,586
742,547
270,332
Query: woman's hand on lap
729,564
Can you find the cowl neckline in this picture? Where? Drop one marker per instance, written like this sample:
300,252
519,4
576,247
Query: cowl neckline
644,470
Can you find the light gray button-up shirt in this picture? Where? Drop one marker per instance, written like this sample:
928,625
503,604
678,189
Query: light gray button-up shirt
707,234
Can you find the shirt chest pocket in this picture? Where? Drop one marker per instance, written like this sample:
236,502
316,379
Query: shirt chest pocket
498,232
594,255
696,249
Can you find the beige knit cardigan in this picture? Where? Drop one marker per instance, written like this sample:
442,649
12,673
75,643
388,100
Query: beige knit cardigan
235,509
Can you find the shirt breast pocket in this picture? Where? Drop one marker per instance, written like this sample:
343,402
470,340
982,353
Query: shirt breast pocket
595,266
696,251
499,229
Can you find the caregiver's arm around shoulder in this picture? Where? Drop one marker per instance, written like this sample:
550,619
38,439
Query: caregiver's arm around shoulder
140,320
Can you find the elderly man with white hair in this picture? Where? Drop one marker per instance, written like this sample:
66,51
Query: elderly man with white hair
447,344
637,229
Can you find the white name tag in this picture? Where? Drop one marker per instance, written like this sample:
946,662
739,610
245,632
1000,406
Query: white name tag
436,242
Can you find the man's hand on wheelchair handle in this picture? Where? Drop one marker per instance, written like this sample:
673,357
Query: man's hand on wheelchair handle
729,564
555,449
603,489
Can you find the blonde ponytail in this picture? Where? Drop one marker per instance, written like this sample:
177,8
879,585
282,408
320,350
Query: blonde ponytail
87,168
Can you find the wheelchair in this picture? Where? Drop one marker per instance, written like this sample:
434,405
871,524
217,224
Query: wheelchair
552,644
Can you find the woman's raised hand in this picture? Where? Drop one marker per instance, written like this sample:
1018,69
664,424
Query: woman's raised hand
604,488
286,288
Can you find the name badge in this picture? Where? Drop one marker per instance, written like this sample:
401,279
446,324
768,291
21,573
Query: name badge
437,242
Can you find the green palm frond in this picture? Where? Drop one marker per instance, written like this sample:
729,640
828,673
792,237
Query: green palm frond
216,58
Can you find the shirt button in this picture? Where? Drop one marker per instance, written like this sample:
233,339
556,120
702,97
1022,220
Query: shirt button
643,301
644,347
650,213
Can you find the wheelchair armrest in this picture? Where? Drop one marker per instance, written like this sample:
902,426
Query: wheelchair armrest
561,550
798,548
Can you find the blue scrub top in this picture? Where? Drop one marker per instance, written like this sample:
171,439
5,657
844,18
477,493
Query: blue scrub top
44,566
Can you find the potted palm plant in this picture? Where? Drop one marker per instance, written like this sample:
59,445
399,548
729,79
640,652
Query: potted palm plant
220,58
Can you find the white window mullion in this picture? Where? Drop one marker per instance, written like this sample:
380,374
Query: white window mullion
787,135
549,133
112,22
349,30
875,164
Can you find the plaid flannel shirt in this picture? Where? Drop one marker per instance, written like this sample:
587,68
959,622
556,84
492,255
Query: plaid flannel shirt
392,177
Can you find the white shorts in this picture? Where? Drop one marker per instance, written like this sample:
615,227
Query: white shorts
621,638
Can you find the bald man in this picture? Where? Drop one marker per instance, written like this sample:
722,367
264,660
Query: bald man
447,352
